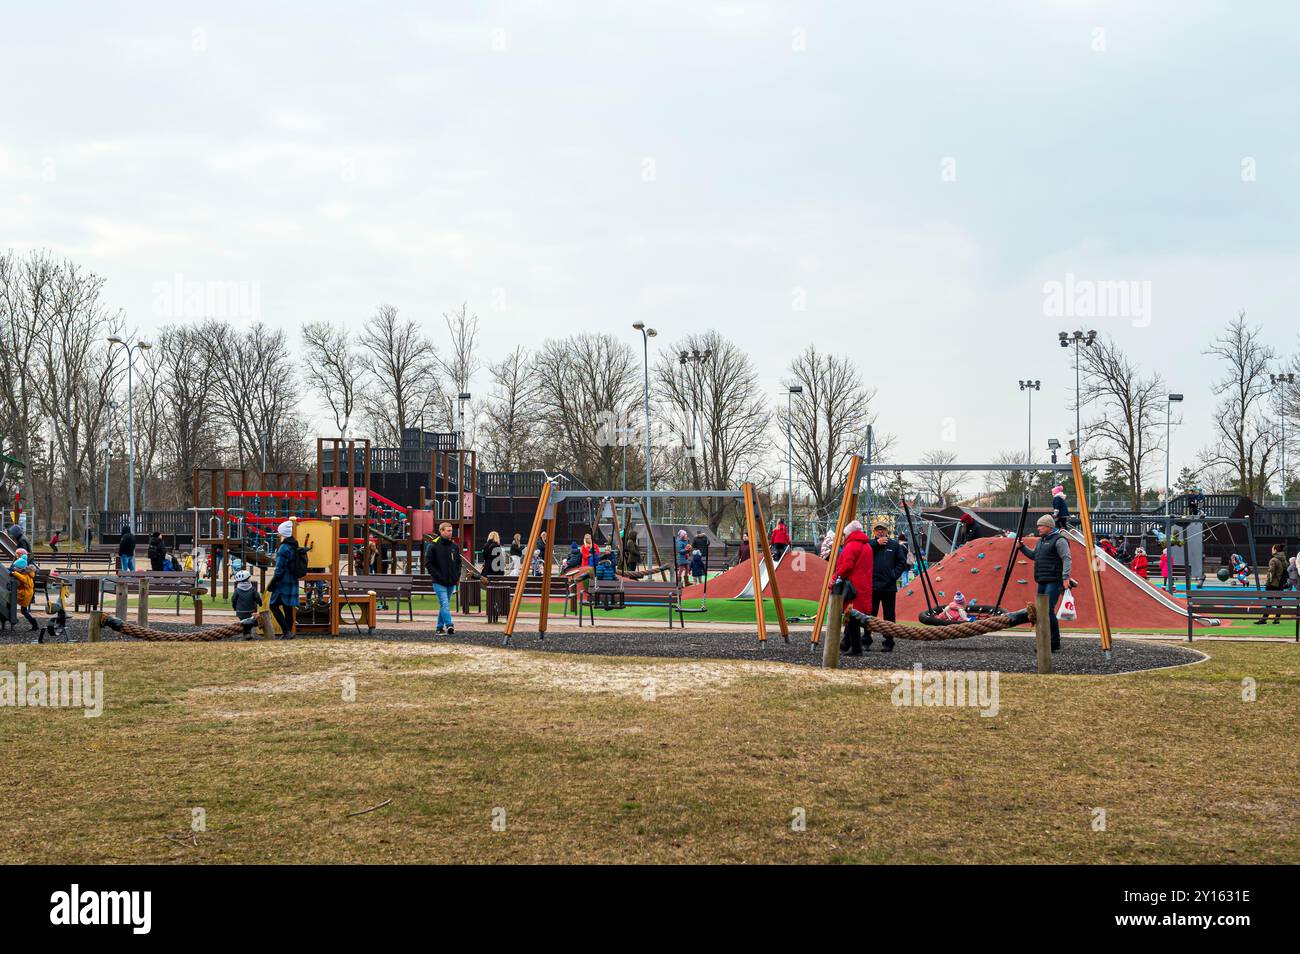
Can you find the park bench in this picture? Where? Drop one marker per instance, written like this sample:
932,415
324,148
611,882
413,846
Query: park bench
618,594
397,587
173,583
501,589
1243,604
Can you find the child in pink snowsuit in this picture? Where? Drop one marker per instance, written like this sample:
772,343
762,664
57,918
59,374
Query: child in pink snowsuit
956,610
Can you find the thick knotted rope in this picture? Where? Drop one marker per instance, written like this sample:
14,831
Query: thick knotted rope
160,636
990,624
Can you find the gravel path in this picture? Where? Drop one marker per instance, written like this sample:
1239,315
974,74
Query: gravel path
1003,653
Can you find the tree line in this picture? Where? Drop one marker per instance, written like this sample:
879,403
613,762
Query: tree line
219,393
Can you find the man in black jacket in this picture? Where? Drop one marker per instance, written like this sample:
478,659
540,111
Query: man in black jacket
126,550
443,561
889,562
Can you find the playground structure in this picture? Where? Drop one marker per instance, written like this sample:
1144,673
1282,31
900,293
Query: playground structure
236,513
848,507
545,518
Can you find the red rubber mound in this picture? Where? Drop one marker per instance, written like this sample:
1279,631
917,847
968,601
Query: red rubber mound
1130,605
800,576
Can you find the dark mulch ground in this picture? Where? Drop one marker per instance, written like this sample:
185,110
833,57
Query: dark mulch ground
1009,653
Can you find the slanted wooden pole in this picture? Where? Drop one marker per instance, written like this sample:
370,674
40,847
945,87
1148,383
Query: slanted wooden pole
848,504
654,545
1089,544
771,571
546,575
755,533
517,600
1043,632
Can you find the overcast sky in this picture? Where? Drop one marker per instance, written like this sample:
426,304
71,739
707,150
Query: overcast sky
896,181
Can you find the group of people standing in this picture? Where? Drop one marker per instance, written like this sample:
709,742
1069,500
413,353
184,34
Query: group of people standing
873,565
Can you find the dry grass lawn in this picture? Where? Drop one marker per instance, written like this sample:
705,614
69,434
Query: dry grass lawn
622,760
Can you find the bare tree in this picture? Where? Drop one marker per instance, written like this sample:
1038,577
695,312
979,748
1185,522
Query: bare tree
717,409
827,423
459,361
1130,430
942,485
26,299
401,388
1244,440
509,435
333,369
190,436
591,383
1007,488
73,371
255,395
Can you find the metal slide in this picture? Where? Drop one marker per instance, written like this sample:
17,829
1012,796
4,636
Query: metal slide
1157,594
747,592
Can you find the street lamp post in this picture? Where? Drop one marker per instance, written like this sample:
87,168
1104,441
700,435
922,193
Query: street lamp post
132,349
1284,379
790,392
1077,337
1031,387
646,335
1169,403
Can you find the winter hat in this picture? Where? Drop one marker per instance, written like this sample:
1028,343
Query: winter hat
852,527
20,563
20,552
1046,521
243,576
285,529
1058,491
959,598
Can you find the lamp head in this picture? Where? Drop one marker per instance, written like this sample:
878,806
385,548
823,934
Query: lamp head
639,325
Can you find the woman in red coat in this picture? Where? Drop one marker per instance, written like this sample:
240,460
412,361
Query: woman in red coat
855,565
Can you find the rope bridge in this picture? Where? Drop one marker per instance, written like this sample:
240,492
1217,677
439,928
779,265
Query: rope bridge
989,624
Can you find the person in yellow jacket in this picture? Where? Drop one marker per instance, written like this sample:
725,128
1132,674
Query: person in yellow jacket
25,577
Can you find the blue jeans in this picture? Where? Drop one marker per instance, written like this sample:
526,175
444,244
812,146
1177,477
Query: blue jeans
1053,591
127,563
444,605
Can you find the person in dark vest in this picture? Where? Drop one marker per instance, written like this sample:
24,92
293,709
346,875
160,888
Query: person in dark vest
889,560
1051,568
